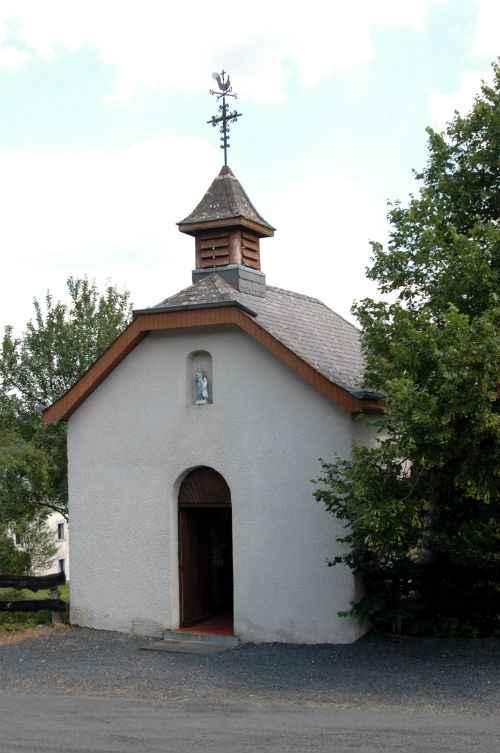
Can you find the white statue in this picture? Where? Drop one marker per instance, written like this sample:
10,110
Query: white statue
201,381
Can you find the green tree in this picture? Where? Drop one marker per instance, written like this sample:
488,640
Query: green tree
428,493
57,347
37,549
12,559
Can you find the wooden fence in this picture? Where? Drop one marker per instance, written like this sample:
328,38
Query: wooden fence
35,583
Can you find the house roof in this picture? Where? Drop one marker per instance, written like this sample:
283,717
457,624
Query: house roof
225,201
301,331
315,333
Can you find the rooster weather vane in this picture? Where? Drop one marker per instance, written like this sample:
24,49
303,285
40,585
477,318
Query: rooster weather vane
225,117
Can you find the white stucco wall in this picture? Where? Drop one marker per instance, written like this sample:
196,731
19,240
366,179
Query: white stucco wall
136,437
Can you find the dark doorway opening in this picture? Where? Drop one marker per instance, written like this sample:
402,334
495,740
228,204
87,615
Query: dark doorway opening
205,547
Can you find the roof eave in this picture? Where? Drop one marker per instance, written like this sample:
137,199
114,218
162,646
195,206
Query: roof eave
193,228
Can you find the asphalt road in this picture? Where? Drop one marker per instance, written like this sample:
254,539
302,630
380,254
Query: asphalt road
83,690
84,724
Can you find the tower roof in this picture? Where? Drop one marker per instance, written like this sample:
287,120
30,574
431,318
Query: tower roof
225,204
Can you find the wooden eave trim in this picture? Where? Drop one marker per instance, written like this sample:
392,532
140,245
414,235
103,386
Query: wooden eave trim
192,228
151,321
369,405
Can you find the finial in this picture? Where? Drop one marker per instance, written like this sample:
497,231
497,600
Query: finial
225,117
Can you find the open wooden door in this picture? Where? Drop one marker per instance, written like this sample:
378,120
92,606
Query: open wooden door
195,567
205,546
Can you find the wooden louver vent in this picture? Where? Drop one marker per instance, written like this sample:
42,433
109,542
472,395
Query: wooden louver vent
204,487
218,248
212,249
250,250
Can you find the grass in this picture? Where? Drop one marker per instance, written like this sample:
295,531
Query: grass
22,632
19,625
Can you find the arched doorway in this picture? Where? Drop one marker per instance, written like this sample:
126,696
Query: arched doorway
205,547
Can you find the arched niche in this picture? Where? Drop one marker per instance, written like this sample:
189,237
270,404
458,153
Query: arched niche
199,362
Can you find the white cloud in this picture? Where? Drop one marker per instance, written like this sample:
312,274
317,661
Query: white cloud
321,247
442,106
157,44
486,38
98,214
51,201
484,41
12,57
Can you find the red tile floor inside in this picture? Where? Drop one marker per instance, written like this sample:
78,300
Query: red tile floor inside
219,624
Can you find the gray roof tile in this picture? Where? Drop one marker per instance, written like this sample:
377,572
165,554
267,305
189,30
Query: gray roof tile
315,333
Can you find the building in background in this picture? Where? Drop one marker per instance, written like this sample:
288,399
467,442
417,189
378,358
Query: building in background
57,526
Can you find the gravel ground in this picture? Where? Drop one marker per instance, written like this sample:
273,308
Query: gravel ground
416,674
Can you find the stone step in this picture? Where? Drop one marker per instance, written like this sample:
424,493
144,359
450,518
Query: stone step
180,635
187,647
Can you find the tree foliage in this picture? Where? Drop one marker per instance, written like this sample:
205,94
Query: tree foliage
37,548
429,491
57,347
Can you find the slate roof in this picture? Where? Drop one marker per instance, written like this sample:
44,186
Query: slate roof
225,199
315,333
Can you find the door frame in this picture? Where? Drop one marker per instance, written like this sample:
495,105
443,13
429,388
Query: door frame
203,488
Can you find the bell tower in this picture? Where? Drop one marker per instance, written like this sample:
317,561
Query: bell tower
226,226
227,229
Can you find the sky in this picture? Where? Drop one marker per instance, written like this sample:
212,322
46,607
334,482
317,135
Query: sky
105,146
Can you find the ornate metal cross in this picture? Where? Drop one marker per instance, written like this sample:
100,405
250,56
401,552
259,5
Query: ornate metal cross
225,117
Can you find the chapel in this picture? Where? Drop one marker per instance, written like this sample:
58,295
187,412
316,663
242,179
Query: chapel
192,442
